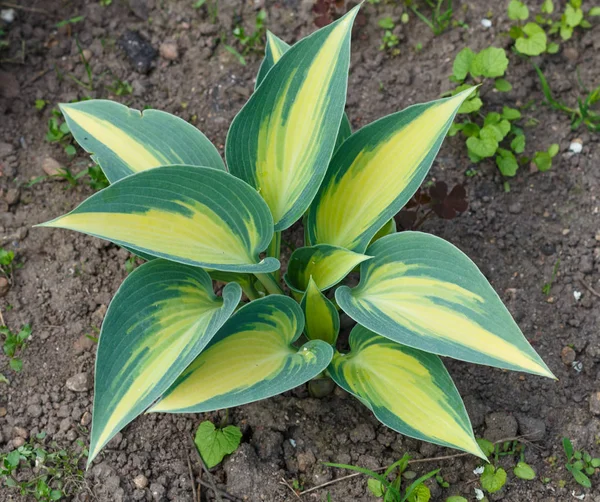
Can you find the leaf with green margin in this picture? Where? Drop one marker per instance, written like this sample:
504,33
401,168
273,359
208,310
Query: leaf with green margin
213,444
274,49
161,318
421,291
376,171
327,265
249,359
534,43
193,215
322,321
123,141
283,138
408,390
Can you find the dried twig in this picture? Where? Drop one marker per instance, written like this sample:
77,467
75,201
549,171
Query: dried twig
22,7
193,481
219,495
589,288
416,461
285,483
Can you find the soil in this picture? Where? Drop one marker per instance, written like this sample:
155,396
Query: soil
65,280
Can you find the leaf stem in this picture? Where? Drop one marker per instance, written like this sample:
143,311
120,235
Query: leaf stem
249,290
274,250
270,284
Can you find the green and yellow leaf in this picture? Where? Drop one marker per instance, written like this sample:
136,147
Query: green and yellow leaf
193,215
376,171
124,141
274,49
408,390
161,318
250,358
322,321
327,265
283,138
422,291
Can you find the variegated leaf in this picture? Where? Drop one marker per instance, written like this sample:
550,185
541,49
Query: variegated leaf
124,141
422,291
249,359
408,390
283,138
322,321
376,171
161,318
193,215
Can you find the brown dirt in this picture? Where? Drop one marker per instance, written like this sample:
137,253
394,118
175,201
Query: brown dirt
66,279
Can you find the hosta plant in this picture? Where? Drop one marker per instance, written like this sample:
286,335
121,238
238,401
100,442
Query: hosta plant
169,344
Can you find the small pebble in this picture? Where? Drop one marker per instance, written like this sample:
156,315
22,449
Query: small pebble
576,146
18,442
140,481
595,403
51,167
4,286
12,196
79,383
169,51
86,419
567,355
486,23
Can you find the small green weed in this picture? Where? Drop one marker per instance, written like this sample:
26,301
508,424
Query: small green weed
58,132
214,443
441,14
7,264
46,473
98,180
532,38
14,345
389,41
252,42
380,486
583,113
120,88
580,464
40,104
73,20
548,285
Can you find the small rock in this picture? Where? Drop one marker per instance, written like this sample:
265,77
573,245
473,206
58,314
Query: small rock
4,286
548,249
500,425
169,51
486,23
83,344
7,15
571,54
532,428
87,55
9,85
140,481
595,403
567,354
2,412
576,146
586,264
12,196
51,167
515,208
34,410
306,460
18,442
86,419
208,29
158,491
20,432
140,8
6,149
138,50
79,383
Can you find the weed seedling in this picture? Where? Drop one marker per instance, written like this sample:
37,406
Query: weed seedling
253,41
582,114
73,20
40,104
14,345
441,15
548,285
45,473
389,41
214,443
7,264
580,464
392,491
58,132
120,88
